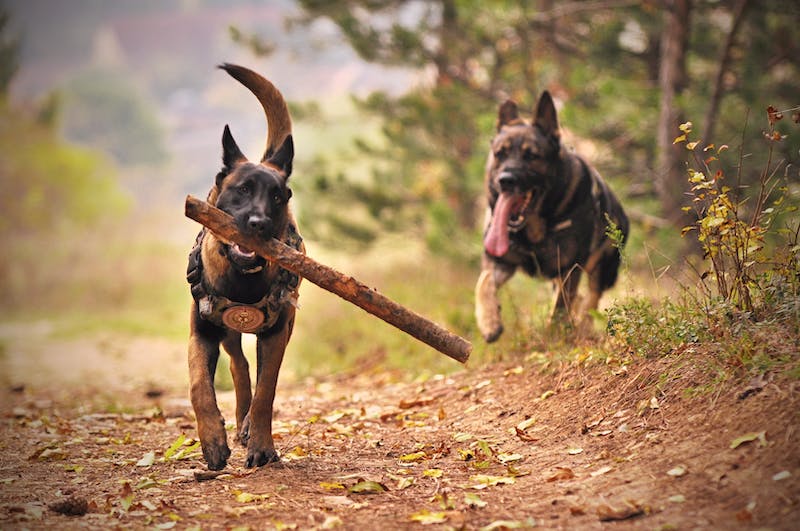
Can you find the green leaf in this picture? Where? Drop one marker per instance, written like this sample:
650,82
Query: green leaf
175,445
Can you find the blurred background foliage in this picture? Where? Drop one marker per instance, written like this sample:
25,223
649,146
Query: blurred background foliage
110,113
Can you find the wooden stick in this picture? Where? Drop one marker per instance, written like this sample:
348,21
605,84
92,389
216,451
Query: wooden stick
331,280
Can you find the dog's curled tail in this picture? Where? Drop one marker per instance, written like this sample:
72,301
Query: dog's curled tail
279,124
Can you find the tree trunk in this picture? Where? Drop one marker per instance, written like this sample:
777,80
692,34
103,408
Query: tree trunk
724,63
670,172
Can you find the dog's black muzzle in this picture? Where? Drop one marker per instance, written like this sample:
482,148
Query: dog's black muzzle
513,180
257,224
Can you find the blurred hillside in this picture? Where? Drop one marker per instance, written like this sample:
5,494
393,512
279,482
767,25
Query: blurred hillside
137,79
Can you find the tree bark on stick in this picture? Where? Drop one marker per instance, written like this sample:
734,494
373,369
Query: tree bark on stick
346,287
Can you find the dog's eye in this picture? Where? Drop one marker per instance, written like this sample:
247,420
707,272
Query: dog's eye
529,154
277,198
501,153
245,189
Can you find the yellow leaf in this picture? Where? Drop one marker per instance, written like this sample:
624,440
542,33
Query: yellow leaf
750,437
686,127
691,145
509,458
367,487
426,517
433,473
473,500
404,483
462,437
525,424
331,485
483,481
679,139
416,456
296,454
247,497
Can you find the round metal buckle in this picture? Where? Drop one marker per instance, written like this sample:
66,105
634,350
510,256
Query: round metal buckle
245,319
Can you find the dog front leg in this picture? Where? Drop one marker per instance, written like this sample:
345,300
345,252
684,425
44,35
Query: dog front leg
203,355
487,303
260,446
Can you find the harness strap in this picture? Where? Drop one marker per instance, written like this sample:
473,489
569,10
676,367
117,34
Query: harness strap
244,318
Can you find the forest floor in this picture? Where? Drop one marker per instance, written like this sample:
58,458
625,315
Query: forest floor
578,444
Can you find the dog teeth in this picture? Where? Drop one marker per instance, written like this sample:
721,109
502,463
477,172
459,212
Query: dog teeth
239,250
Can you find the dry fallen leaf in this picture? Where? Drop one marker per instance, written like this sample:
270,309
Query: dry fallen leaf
473,500
367,487
416,402
416,456
561,474
630,509
601,471
677,471
426,517
783,474
761,436
483,481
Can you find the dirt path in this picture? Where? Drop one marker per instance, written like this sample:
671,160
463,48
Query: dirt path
574,446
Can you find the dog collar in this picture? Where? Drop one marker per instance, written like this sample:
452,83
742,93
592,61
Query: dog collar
243,318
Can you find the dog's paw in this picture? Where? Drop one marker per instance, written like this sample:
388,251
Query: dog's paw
216,455
261,457
492,335
244,431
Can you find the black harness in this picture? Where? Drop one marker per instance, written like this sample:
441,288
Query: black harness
245,318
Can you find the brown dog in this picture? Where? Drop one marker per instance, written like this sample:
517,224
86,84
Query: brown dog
236,291
548,214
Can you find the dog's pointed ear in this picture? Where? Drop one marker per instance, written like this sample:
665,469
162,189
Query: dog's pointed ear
546,118
282,157
231,154
508,113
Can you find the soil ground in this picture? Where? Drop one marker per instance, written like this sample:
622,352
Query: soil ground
572,445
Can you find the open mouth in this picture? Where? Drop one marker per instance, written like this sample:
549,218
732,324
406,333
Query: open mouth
508,215
243,257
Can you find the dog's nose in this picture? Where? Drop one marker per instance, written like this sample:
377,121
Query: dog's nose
258,224
507,181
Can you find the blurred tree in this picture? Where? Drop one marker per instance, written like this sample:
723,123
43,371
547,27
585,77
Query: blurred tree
9,51
104,109
48,190
627,72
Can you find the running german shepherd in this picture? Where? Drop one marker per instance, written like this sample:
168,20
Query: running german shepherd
548,214
236,291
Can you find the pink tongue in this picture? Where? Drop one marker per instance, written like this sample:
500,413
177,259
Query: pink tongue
496,240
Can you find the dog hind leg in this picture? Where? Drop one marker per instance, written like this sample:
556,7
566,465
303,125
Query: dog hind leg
240,371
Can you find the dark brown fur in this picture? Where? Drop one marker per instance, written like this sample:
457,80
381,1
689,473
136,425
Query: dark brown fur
256,195
547,215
